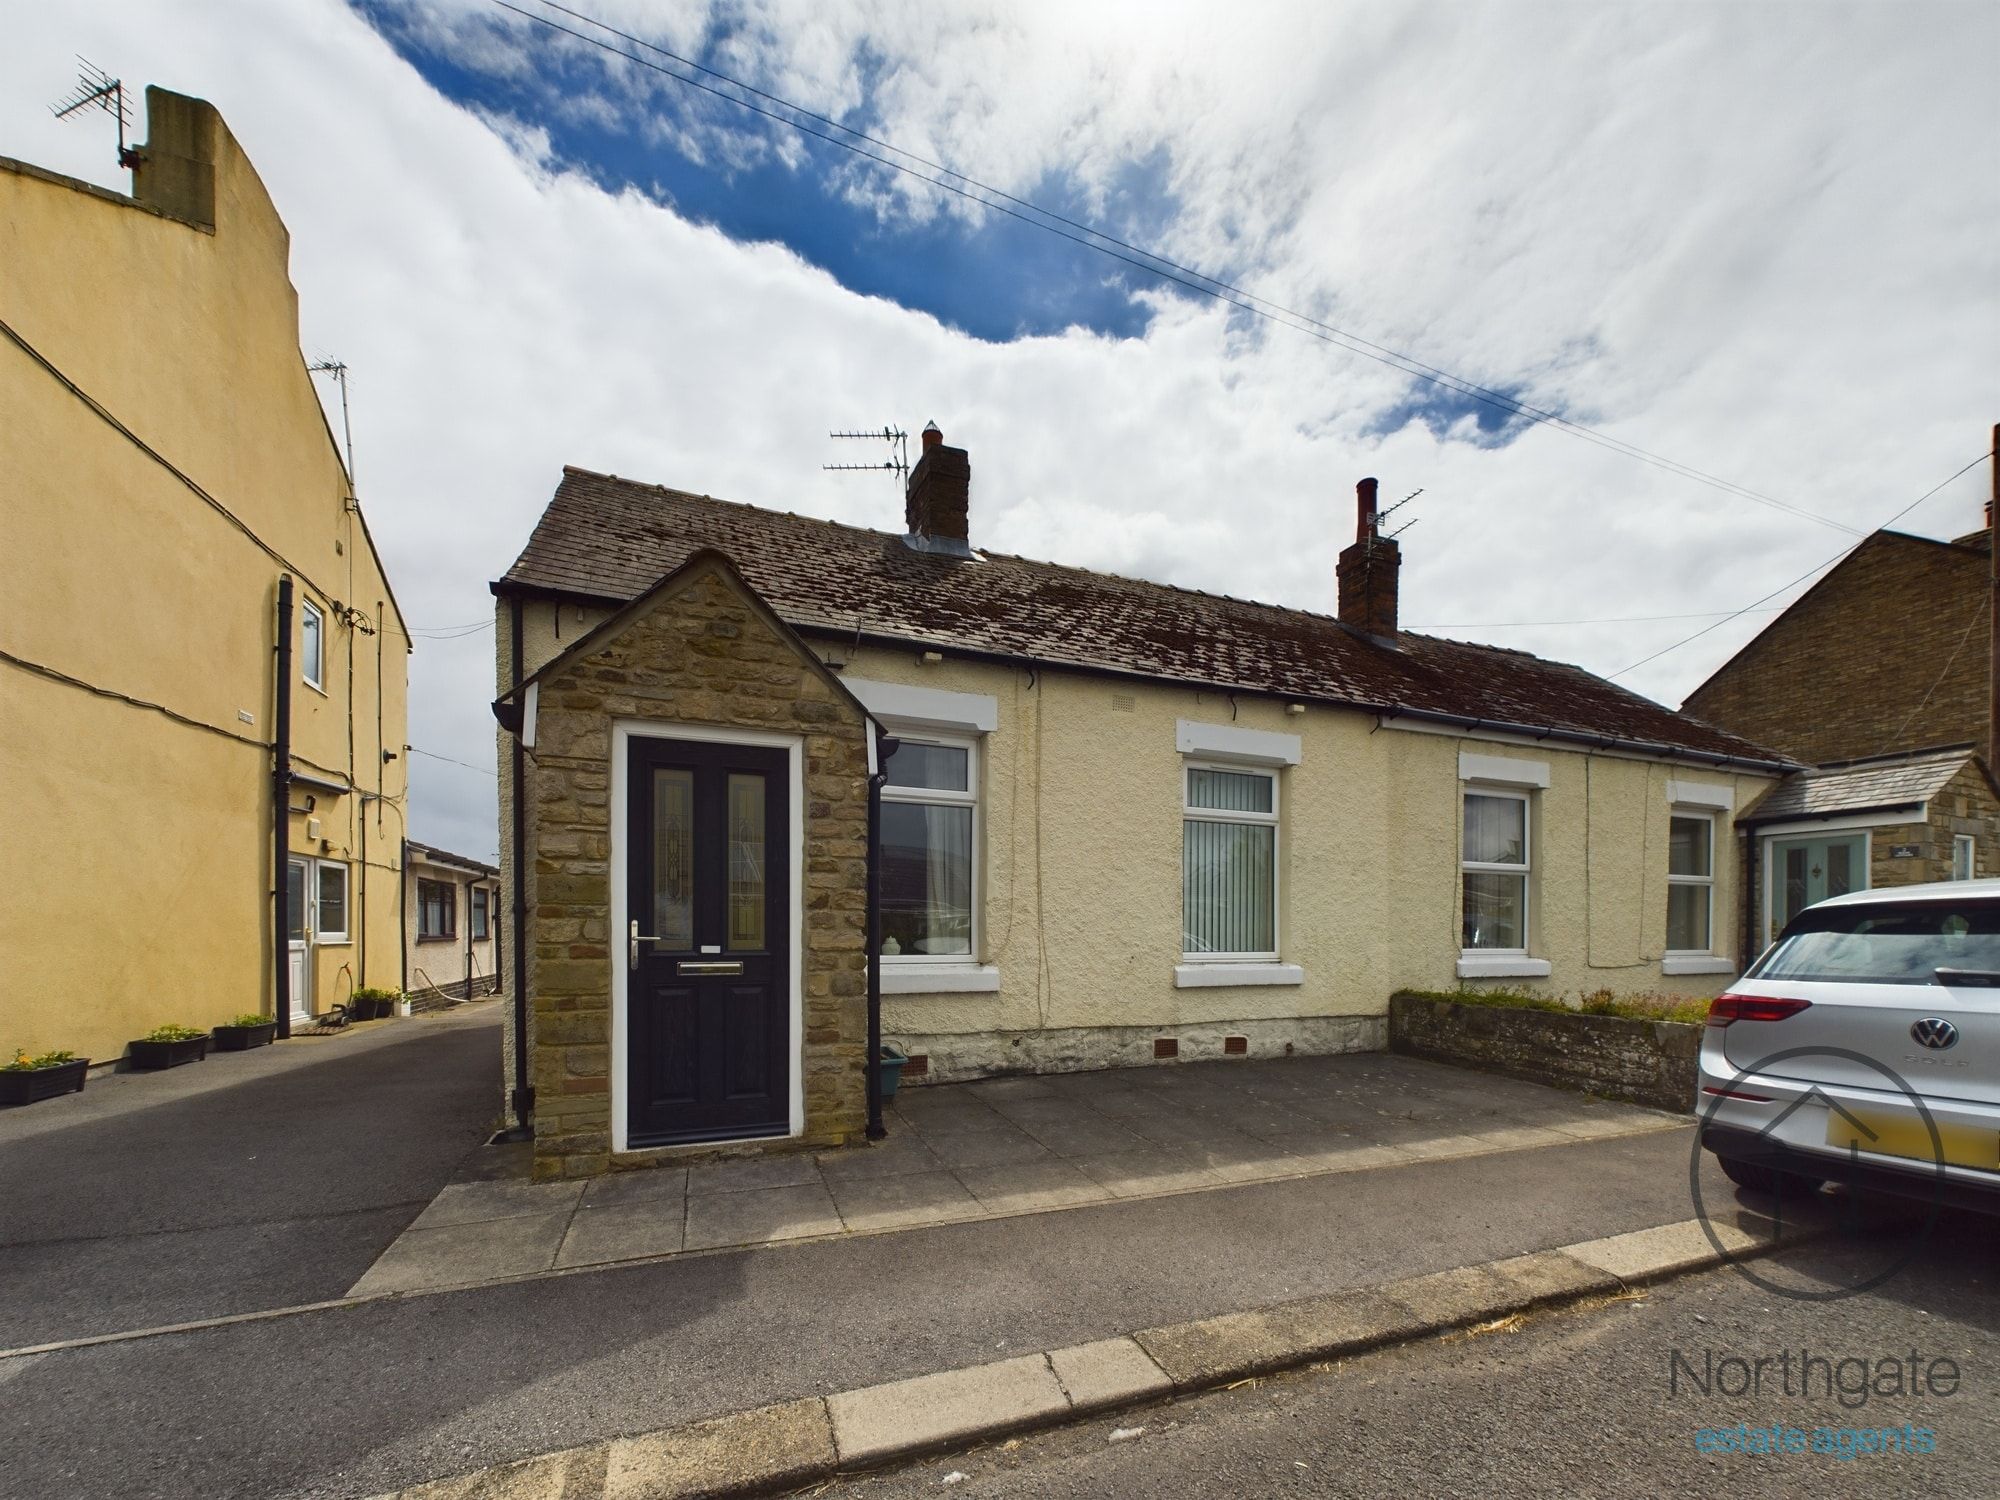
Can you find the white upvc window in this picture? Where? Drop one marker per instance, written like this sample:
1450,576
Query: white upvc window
1495,865
312,644
929,852
1963,861
1229,862
329,884
1690,882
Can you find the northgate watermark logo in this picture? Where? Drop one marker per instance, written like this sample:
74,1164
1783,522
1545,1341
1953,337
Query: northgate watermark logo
1850,1381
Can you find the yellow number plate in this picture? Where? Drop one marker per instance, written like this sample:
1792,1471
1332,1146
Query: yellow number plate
1905,1135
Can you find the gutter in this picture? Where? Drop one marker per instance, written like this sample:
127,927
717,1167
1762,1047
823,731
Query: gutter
281,806
1757,820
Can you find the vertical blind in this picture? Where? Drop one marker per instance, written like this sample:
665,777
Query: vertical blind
1228,868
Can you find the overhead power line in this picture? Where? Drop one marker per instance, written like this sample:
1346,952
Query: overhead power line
1151,262
468,765
1821,567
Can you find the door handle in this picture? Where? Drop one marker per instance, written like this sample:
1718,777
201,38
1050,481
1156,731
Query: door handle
638,937
694,967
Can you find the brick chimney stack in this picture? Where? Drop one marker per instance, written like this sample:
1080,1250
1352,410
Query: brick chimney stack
935,505
1368,570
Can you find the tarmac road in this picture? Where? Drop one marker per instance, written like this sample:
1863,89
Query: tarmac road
1576,1402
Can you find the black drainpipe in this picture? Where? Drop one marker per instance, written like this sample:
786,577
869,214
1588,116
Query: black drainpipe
524,1096
403,911
281,808
468,936
884,748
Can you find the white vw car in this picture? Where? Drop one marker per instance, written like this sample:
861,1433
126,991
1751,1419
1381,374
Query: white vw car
1864,1047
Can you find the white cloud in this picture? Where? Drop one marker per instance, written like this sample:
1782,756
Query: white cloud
1756,238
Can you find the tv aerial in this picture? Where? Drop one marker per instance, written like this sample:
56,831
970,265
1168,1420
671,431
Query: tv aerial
97,89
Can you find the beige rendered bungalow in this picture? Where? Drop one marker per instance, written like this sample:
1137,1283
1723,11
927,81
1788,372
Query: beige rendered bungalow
1116,823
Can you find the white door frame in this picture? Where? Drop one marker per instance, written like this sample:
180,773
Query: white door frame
622,732
302,946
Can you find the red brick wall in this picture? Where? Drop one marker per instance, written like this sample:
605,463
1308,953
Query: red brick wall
1843,672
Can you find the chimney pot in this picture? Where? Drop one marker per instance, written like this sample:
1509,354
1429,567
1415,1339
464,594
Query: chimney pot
933,437
1364,507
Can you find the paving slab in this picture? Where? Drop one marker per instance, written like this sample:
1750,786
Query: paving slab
788,1169
757,1216
653,1185
898,1156
485,1250
1136,1174
934,1411
601,1233
471,1202
892,1202
1030,1186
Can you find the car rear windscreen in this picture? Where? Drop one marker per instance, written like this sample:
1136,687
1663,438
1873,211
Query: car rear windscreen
1890,944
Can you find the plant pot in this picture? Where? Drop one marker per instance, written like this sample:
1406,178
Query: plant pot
147,1056
890,1070
243,1038
32,1084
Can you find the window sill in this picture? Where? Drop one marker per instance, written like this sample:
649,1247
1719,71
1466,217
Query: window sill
1501,966
437,937
1696,963
939,979
1204,976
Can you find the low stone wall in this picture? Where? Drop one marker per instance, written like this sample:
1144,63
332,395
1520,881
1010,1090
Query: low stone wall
1638,1062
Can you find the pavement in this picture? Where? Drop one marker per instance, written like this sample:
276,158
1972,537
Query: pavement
995,1149
248,1180
1581,1401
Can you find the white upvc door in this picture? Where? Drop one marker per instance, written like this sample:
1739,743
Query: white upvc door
296,894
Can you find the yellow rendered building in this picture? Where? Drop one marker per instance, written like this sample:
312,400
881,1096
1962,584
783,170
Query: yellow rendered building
201,661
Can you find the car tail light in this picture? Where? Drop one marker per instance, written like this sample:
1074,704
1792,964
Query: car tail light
1724,1009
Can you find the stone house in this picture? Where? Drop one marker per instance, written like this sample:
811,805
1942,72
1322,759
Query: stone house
1117,823
1878,677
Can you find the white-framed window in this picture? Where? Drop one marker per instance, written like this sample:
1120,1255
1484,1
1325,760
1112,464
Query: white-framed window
1495,865
329,883
929,851
1229,862
1964,864
1690,882
312,644
437,910
480,896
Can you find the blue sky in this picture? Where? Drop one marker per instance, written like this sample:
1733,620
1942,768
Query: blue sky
996,279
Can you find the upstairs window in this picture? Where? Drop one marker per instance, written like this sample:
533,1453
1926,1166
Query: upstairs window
1229,863
1495,867
1690,882
929,874
312,644
437,909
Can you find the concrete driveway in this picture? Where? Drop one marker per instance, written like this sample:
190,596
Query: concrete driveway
247,1181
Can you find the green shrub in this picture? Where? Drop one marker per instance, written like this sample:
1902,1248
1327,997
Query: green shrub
173,1031
250,1018
376,992
23,1063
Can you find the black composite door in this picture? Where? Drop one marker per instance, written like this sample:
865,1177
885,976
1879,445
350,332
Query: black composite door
708,942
